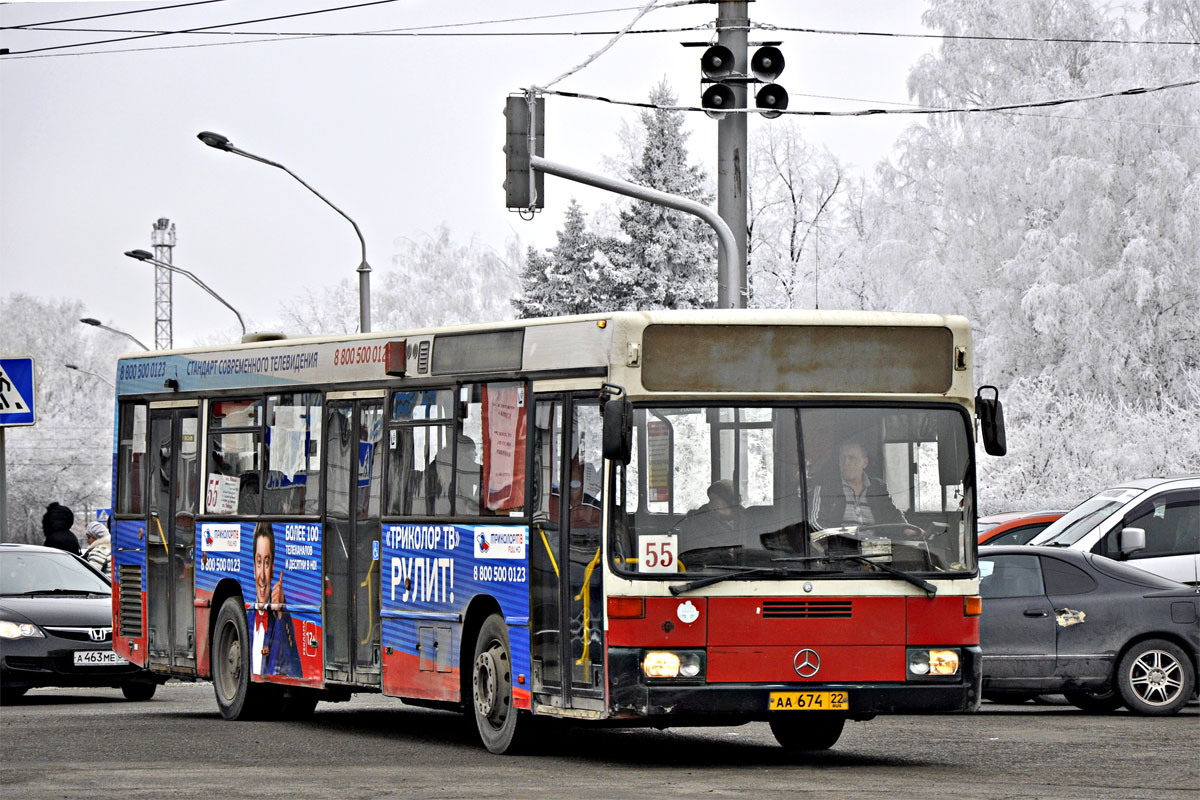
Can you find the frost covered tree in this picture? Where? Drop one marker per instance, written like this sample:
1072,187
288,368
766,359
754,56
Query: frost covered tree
794,196
1070,236
66,456
432,281
566,279
664,258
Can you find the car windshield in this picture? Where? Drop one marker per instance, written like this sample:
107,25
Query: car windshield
24,572
715,489
1079,521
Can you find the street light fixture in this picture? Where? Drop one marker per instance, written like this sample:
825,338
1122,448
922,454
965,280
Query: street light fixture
97,324
219,142
145,255
88,372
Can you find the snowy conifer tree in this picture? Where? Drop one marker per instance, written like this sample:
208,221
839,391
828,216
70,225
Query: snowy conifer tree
566,280
668,258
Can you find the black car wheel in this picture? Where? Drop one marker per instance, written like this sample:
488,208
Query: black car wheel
814,730
11,694
1099,702
1155,678
138,690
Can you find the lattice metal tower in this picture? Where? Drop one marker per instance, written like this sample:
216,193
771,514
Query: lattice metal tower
162,236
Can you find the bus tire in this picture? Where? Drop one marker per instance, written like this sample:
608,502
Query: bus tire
238,698
1155,678
139,691
815,730
491,686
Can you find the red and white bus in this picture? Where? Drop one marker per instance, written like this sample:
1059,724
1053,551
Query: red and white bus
663,518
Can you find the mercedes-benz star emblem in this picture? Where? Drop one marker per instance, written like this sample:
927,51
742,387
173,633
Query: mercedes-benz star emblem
806,662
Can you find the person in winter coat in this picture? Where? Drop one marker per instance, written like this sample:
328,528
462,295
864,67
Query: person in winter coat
99,549
56,524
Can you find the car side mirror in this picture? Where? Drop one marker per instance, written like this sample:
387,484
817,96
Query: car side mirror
991,421
618,429
1130,540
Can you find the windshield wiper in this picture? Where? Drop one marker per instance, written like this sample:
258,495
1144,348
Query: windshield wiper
52,591
700,583
920,583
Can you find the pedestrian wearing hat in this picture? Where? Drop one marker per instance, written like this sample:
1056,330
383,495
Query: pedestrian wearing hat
56,524
99,549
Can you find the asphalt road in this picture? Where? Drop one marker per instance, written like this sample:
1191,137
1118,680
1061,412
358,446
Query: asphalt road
94,744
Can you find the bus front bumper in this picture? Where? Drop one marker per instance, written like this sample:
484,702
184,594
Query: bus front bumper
632,696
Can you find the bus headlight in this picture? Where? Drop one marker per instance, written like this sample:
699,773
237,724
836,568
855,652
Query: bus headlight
933,663
667,664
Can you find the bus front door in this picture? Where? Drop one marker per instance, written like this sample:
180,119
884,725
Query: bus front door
353,433
171,539
567,627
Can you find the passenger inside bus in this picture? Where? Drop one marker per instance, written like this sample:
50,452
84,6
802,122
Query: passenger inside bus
716,524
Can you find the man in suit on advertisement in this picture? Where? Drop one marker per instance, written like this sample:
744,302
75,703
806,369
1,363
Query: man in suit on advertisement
274,650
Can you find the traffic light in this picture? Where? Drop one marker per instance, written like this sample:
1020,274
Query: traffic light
766,66
522,184
716,65
717,68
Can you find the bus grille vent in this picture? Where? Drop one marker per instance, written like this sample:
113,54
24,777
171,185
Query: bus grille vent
130,593
423,358
807,609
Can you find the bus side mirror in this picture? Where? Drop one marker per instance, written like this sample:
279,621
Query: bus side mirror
991,421
618,429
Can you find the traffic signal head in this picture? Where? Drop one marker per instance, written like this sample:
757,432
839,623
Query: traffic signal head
766,64
772,97
717,62
523,137
717,99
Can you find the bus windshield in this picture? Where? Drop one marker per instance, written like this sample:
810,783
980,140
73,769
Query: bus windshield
813,489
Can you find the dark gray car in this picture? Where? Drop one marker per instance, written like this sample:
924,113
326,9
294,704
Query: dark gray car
1102,632
56,626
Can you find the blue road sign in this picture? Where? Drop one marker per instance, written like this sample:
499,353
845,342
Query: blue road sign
16,391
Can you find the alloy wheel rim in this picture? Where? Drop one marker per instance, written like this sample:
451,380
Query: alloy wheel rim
1156,677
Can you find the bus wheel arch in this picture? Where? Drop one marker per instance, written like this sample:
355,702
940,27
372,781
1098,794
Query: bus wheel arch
488,676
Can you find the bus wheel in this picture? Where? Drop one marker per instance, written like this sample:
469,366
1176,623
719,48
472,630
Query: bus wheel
237,697
138,690
491,686
805,730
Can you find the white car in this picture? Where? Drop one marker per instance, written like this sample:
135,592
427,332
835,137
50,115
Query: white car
1153,523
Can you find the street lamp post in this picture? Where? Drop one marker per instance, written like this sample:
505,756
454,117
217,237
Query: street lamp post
219,142
78,368
97,324
143,255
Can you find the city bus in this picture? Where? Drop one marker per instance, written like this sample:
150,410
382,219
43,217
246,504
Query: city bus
661,518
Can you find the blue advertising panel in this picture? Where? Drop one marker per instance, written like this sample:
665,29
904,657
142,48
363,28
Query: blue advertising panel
278,566
431,575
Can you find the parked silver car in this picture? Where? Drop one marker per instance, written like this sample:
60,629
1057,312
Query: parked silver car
1152,523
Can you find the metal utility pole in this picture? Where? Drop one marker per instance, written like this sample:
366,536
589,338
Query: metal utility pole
733,24
162,236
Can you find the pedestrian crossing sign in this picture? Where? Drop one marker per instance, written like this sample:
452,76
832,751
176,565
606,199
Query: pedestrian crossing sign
16,391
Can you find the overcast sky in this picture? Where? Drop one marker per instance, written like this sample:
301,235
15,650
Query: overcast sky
402,133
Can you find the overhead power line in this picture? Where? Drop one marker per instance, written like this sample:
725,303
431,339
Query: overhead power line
970,37
205,27
113,14
1061,101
